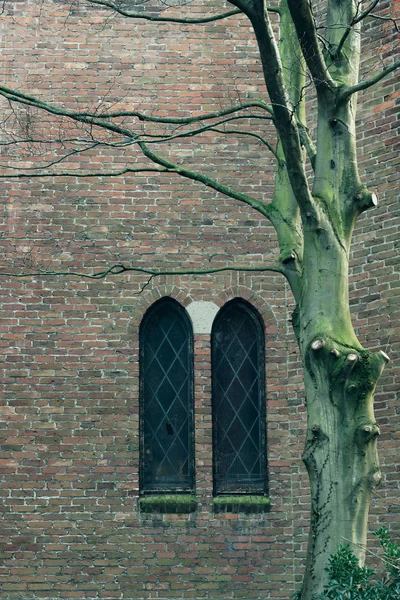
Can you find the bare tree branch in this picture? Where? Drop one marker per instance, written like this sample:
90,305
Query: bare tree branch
18,142
388,19
249,133
364,13
207,181
98,120
118,269
27,100
106,125
346,91
147,138
284,111
158,139
184,20
150,17
57,160
82,174
180,120
304,23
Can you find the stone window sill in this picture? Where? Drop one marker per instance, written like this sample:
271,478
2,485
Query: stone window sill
168,503
241,504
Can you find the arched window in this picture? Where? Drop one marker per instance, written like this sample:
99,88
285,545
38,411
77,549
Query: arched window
238,382
166,382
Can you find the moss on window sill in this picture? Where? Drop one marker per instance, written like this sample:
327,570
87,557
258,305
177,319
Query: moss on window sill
241,504
168,503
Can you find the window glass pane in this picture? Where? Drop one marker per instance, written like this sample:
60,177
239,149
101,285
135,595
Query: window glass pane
167,399
238,400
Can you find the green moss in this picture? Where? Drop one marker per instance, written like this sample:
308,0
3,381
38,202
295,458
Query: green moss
243,504
171,503
368,374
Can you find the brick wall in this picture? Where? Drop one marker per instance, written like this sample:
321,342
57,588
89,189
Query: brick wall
69,372
375,294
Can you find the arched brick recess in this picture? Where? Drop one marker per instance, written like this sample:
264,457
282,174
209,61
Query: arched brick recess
147,298
240,291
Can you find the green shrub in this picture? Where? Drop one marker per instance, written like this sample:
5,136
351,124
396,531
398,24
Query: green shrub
349,581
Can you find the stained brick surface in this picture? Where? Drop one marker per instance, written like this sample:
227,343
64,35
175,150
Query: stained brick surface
69,346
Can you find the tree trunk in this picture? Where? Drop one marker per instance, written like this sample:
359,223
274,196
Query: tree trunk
314,232
340,378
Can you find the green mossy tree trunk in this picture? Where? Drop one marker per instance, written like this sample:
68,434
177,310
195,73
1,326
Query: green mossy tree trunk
340,376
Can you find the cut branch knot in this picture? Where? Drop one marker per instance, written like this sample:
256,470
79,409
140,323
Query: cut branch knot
365,199
287,257
317,432
367,433
317,344
352,357
384,356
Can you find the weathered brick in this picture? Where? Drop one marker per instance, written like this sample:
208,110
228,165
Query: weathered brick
69,422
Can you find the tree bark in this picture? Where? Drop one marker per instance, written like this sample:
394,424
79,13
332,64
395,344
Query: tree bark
340,375
340,378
